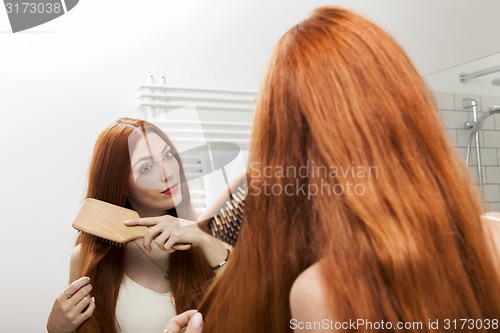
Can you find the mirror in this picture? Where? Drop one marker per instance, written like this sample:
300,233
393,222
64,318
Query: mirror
450,94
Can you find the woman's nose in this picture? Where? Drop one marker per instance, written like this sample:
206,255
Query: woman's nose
166,169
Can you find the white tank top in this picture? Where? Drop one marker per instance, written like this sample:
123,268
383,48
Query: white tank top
141,310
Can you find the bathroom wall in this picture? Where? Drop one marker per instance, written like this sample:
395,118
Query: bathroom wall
63,82
448,79
454,116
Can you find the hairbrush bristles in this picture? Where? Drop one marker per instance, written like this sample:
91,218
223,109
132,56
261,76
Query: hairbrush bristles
102,239
226,225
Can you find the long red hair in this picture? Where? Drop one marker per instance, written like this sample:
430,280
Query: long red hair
342,100
104,263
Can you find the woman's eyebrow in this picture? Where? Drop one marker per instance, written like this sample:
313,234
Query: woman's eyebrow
167,148
150,158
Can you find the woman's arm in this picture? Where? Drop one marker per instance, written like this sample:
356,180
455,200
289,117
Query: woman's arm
73,306
166,232
491,223
219,202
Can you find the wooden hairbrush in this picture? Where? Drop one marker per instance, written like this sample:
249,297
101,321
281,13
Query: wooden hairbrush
105,221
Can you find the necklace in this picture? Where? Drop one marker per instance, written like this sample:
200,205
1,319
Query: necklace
167,274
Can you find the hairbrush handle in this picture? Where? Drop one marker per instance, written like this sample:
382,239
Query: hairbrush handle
182,246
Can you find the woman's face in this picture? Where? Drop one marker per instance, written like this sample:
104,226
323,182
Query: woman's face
155,178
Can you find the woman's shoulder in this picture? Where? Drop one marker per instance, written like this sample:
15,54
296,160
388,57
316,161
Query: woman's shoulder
491,222
308,282
492,217
308,299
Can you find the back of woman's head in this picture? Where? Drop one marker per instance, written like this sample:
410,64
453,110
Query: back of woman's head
349,164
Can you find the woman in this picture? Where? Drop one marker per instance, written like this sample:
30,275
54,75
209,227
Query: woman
132,288
355,197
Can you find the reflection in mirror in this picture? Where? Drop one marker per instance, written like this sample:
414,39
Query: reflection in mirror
195,119
469,111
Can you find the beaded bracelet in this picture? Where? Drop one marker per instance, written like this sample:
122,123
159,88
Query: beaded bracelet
223,262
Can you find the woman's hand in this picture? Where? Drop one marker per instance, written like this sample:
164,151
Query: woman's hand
166,231
72,307
190,321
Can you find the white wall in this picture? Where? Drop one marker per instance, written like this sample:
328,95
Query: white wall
448,79
453,116
61,83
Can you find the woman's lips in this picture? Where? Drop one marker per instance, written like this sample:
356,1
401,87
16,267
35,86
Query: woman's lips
171,190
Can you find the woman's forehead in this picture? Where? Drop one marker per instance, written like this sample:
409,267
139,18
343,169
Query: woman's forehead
152,144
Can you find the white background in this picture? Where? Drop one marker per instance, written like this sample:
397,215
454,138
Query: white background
61,83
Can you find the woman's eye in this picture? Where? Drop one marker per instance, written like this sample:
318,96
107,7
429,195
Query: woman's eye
168,154
145,168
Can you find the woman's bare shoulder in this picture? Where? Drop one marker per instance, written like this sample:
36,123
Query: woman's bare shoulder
492,225
308,300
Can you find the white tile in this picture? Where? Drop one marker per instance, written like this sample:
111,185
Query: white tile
454,119
444,100
459,98
491,139
493,174
472,156
463,137
496,118
489,156
462,152
472,170
488,124
491,192
494,207
475,176
489,101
